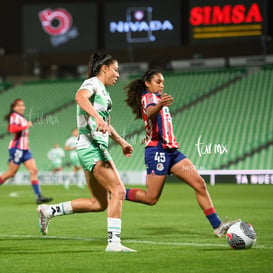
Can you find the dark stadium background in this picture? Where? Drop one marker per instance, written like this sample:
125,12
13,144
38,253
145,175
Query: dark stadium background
223,86
12,45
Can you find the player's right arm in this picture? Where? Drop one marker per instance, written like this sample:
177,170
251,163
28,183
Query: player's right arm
15,127
153,110
82,99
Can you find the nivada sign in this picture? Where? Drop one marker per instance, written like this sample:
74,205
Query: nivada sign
138,24
226,19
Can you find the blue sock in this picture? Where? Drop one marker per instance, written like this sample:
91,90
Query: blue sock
36,188
213,217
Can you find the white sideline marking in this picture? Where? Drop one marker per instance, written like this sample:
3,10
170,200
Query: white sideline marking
176,243
128,241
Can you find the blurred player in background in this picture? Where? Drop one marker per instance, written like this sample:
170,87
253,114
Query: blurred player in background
71,145
162,156
93,120
56,155
19,148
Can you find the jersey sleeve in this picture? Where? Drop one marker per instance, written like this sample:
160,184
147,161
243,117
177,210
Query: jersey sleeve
89,85
14,119
14,128
15,125
148,99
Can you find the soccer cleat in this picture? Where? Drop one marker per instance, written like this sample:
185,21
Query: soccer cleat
44,218
224,226
42,199
118,248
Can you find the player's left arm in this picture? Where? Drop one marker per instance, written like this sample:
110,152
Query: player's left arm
127,148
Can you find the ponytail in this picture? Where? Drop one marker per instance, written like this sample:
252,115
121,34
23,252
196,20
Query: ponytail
96,61
134,92
13,104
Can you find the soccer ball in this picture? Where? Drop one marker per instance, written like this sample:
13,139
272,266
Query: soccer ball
241,235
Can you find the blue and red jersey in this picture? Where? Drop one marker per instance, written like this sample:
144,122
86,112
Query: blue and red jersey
159,130
18,127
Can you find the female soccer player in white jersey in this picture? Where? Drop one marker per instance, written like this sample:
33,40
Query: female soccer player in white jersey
162,156
56,155
71,146
19,148
93,122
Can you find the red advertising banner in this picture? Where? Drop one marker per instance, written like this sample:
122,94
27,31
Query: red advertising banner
227,19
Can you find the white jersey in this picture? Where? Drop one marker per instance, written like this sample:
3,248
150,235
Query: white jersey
86,124
56,155
71,142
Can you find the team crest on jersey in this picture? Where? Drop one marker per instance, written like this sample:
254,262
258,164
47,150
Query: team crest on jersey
160,167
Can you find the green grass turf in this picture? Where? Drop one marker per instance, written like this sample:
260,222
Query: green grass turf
172,236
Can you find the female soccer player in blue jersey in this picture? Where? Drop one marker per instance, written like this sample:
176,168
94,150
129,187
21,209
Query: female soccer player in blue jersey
162,155
93,121
19,148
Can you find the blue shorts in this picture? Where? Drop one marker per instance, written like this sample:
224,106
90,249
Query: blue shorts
159,161
18,156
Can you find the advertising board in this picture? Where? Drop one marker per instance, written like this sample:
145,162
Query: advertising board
142,24
59,27
226,20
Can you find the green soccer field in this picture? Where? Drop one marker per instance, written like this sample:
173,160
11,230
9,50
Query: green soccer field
172,236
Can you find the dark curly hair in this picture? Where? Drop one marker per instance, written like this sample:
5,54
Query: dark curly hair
134,92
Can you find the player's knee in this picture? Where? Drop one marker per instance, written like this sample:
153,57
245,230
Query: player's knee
33,171
121,192
201,185
152,201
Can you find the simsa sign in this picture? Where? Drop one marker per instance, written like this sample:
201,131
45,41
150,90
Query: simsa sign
142,23
226,19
